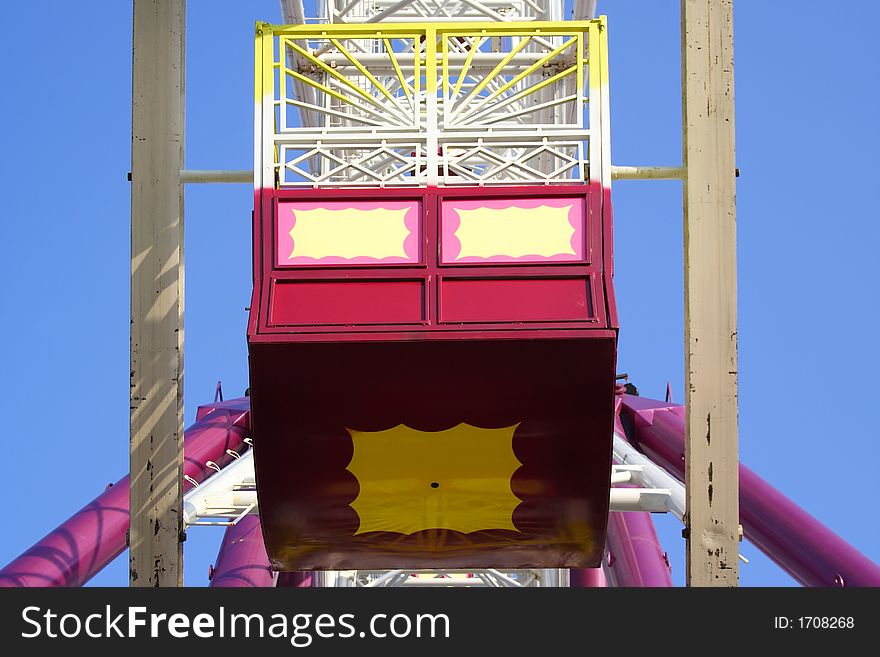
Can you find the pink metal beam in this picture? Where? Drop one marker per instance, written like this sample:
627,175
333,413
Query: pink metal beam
634,556
297,579
801,545
242,561
587,578
95,535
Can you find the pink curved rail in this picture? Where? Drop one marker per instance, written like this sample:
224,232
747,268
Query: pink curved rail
587,578
242,561
634,555
801,545
95,535
296,579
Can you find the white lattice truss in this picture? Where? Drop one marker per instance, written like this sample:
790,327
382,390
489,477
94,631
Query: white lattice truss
371,11
451,104
474,577
364,11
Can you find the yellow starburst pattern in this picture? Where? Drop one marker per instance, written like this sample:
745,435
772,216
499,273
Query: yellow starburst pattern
457,479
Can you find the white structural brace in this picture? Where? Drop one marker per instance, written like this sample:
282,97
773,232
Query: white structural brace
217,176
646,173
223,498
651,476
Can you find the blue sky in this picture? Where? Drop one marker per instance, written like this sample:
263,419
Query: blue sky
807,139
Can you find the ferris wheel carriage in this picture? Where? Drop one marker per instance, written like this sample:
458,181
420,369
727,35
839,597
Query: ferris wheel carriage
432,376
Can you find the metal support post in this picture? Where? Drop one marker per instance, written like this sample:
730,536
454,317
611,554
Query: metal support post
156,430
712,523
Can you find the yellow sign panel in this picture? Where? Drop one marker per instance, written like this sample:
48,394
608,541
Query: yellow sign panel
350,233
515,232
457,479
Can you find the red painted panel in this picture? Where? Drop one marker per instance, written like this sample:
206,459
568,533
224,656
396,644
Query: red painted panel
299,302
515,300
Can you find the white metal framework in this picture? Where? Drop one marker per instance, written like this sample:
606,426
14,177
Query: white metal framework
433,103
225,497
475,577
401,11
373,11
